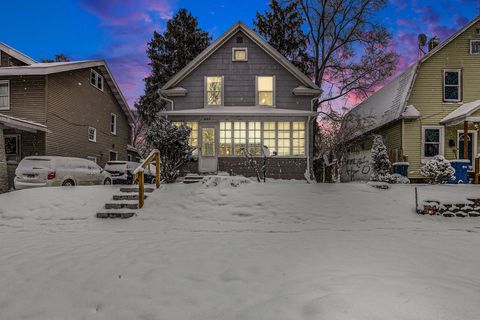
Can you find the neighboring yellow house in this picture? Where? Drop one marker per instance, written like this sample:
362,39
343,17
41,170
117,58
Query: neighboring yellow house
426,110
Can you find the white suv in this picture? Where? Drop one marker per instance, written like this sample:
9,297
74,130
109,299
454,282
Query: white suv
45,171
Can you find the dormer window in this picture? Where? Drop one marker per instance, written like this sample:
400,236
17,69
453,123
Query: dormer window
239,54
214,91
265,90
96,79
474,46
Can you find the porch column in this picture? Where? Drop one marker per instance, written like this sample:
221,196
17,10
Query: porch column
465,140
3,164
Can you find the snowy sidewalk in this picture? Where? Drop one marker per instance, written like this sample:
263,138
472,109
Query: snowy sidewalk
281,250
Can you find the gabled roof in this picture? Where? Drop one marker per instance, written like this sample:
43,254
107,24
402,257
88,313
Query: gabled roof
390,103
16,54
252,35
461,113
56,67
22,124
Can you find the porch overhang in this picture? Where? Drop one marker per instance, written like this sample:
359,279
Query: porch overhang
462,113
21,124
240,111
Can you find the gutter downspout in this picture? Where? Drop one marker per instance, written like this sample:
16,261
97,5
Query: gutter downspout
165,98
308,136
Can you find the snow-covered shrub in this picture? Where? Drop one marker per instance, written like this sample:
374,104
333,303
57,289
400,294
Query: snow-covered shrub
438,170
394,179
172,141
224,181
380,162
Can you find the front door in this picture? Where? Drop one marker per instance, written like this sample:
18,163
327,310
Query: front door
207,160
471,145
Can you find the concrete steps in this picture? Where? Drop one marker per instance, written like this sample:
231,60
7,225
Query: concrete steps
192,178
124,205
120,197
135,189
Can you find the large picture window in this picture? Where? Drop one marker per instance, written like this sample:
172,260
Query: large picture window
269,136
255,138
284,139
452,86
239,137
432,141
225,138
298,138
214,91
265,91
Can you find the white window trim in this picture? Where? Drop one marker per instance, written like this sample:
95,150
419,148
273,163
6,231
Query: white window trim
474,134
8,96
98,75
274,88
205,93
17,136
114,123
94,136
460,93
442,142
116,155
472,41
238,49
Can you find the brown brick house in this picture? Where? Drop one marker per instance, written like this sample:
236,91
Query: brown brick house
61,109
240,93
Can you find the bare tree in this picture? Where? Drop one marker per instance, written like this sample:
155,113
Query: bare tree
351,52
335,141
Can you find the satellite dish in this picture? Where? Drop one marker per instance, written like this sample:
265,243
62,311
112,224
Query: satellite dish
265,151
422,40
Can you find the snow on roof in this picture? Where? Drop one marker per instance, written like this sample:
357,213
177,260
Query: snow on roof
388,103
461,113
16,54
410,112
247,110
22,124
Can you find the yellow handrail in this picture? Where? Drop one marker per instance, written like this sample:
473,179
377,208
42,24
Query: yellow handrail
138,174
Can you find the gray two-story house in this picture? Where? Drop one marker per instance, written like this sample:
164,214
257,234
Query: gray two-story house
73,109
241,94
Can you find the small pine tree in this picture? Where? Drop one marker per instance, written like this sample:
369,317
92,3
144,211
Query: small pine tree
438,170
172,141
380,162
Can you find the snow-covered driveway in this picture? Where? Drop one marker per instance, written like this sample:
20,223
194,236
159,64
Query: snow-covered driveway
281,250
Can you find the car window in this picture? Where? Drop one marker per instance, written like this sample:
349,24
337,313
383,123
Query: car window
35,163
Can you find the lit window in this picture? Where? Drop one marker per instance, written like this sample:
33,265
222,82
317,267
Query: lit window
474,46
284,138
432,141
239,137
451,85
92,134
214,91
113,123
254,138
4,94
193,138
265,91
298,138
269,136
12,147
225,138
239,54
96,79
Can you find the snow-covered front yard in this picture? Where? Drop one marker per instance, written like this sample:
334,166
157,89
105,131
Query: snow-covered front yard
281,250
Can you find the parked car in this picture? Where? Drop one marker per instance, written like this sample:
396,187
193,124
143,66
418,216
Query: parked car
122,172
45,171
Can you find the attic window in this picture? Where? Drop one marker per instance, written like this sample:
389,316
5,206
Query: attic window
239,54
239,39
474,46
96,79
477,31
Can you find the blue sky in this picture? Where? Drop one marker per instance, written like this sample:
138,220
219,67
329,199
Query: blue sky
118,30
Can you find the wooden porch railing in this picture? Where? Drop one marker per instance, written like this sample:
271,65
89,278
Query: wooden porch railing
138,174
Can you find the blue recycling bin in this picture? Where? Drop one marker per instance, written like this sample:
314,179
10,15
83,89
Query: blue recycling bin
401,168
461,170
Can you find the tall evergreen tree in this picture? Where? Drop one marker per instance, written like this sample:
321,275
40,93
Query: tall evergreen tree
58,58
169,52
281,26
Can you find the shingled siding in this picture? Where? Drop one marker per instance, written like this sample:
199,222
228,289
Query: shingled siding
427,94
239,78
73,106
27,98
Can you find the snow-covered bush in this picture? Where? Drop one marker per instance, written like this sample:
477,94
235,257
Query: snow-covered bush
380,162
172,141
394,179
438,170
224,181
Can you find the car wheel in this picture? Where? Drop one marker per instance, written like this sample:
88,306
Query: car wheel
68,183
107,182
